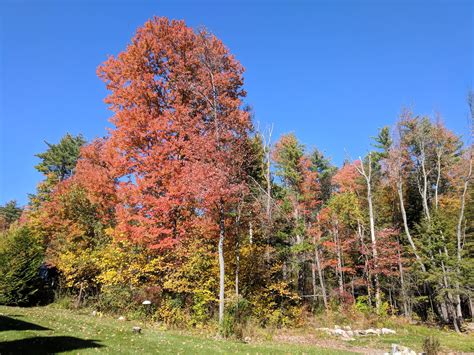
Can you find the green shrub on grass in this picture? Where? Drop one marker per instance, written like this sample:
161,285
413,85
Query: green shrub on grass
115,299
237,314
21,255
431,345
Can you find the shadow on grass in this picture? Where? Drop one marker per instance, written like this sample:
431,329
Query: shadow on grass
46,345
9,323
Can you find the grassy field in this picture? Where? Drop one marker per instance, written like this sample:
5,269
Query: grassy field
48,330
414,335
45,330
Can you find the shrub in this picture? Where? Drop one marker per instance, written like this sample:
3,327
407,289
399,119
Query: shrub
116,299
431,345
172,313
237,314
21,255
363,305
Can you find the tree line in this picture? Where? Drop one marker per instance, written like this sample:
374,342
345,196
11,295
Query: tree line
186,204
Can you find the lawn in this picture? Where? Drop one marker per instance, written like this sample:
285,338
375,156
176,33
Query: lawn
414,335
409,335
45,330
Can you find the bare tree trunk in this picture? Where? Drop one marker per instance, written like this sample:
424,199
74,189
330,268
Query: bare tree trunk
313,281
267,142
402,285
471,307
439,153
443,310
237,266
250,233
424,188
366,263
449,299
456,297
368,176
79,297
339,260
405,223
353,291
221,263
459,234
237,248
320,275
269,187
369,286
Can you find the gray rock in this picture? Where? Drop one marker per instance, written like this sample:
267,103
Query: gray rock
137,330
401,350
348,338
469,327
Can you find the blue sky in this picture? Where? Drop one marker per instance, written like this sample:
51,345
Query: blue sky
332,72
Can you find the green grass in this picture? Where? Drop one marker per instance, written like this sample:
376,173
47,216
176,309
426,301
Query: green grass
43,330
414,335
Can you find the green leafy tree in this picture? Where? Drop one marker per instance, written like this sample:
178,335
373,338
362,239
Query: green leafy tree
9,213
21,255
60,159
57,164
326,171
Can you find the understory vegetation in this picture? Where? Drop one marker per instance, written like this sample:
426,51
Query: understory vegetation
186,205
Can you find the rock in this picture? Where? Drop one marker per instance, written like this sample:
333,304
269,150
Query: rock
346,327
247,340
469,327
346,332
401,350
370,331
348,338
137,330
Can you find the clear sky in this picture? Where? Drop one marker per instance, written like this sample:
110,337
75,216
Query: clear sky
332,72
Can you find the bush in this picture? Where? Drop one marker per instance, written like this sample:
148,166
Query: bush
363,305
237,314
116,299
431,346
21,255
172,313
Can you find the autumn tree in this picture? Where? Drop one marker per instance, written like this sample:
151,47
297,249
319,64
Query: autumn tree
180,135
